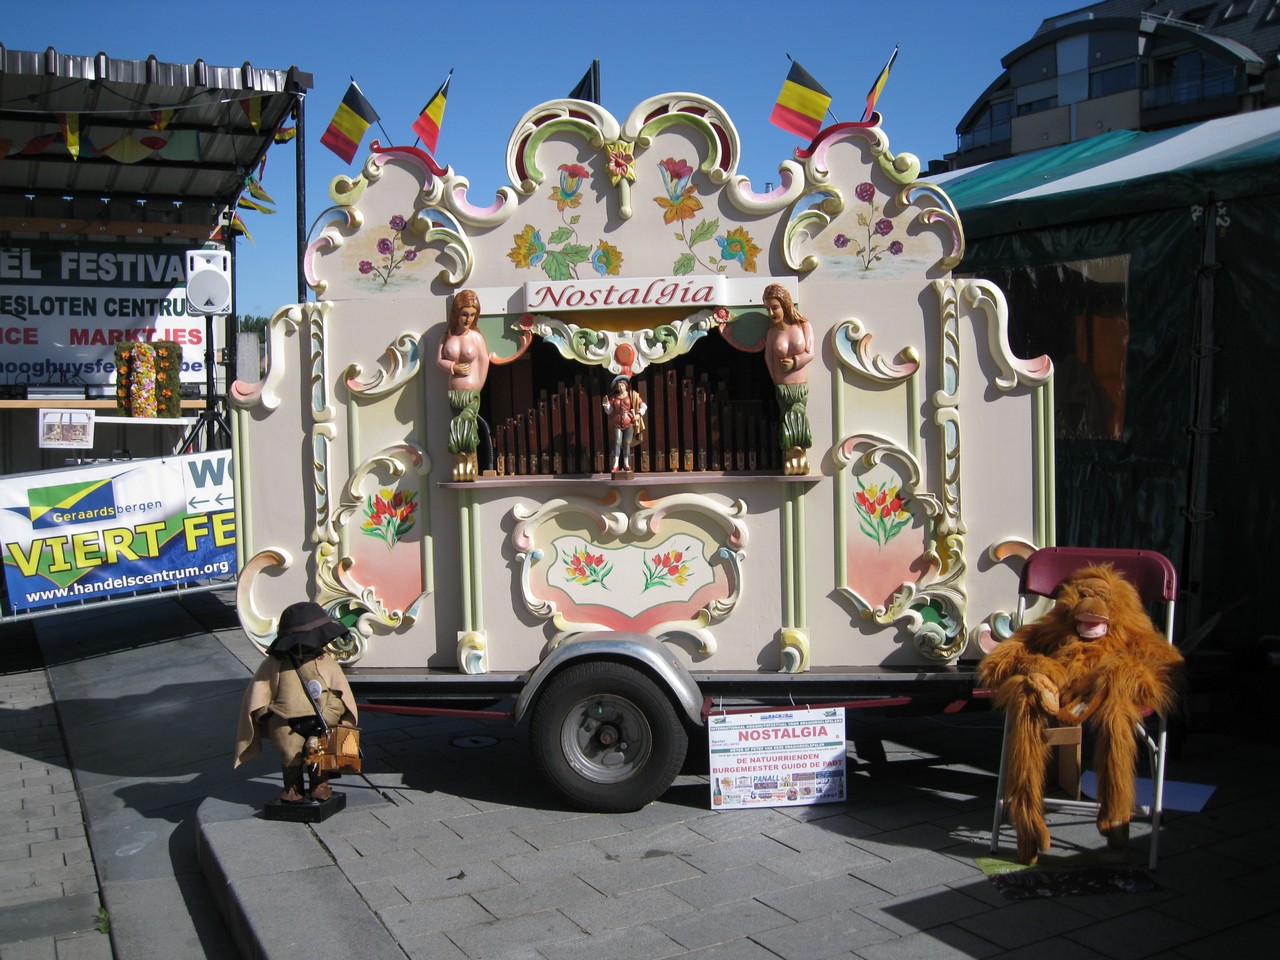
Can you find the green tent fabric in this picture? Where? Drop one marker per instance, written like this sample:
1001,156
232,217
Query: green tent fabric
1185,477
1120,172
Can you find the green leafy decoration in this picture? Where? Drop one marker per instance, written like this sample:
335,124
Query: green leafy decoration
704,231
557,266
684,264
560,236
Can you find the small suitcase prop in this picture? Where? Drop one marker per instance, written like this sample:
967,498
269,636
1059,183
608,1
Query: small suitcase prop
336,749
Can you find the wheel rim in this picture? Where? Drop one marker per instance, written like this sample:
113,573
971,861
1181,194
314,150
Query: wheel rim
606,738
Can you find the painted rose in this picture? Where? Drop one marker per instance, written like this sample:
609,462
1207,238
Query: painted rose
865,192
397,223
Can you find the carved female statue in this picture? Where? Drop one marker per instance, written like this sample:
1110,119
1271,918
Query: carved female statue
464,356
788,348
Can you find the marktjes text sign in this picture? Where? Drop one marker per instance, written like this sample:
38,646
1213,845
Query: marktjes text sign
783,758
64,308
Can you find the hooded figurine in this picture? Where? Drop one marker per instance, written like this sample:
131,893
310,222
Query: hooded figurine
276,703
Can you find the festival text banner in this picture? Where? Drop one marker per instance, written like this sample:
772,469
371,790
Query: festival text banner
120,528
64,308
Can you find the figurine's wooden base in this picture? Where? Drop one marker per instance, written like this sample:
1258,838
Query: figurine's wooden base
622,475
313,811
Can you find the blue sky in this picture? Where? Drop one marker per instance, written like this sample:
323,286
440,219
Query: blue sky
510,56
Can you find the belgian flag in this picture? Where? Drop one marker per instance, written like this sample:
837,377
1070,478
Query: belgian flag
427,126
801,105
348,125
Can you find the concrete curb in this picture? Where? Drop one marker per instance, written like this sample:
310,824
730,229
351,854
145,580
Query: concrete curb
282,894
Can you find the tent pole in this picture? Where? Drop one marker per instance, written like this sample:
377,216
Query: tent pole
1202,428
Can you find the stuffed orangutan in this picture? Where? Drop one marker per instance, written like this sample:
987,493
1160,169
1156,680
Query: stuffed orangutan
1094,658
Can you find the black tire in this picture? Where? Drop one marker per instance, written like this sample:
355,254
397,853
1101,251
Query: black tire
606,737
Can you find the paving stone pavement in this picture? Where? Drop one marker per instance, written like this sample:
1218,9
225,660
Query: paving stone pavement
49,898
450,847
456,849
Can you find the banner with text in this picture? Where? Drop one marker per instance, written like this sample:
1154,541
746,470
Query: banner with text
93,532
64,308
783,758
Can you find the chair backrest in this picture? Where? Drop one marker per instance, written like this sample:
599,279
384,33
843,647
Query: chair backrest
1151,573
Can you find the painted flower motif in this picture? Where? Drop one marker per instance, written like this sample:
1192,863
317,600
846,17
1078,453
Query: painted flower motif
680,202
666,570
882,512
721,315
586,568
394,251
529,249
737,245
871,249
568,194
620,162
388,515
607,259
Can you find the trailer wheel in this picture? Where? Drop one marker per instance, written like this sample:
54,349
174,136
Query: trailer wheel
606,737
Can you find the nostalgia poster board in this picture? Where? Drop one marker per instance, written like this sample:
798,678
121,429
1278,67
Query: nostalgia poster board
784,758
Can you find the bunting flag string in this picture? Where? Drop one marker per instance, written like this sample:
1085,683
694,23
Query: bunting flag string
252,107
70,123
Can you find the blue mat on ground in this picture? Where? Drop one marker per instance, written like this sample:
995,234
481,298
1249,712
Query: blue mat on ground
1185,797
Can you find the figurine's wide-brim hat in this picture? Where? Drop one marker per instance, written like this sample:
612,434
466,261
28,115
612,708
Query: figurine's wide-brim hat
305,629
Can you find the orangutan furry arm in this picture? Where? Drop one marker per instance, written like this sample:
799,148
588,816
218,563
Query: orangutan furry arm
1096,658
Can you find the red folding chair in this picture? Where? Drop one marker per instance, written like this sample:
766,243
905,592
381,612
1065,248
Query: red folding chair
1156,581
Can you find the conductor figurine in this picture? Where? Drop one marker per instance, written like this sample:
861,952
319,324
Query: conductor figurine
276,703
625,410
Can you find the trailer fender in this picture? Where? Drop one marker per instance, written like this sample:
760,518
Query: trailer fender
617,646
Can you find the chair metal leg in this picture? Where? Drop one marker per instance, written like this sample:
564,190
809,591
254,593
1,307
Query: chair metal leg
1157,795
998,817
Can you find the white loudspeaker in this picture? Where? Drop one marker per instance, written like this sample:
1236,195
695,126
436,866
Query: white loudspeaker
208,283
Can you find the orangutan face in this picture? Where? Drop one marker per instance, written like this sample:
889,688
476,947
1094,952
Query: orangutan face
1088,601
